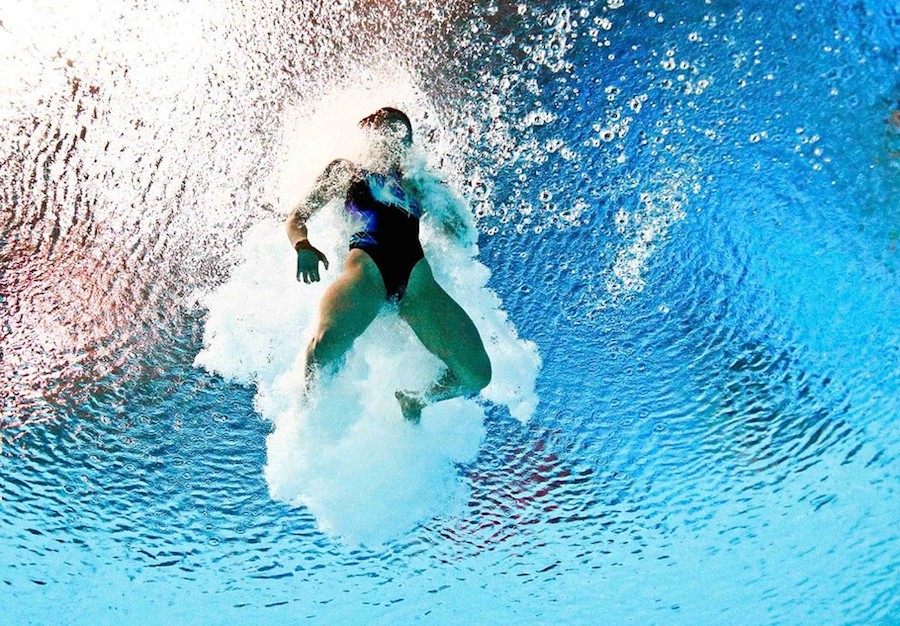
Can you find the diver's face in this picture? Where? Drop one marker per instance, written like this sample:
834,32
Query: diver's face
388,140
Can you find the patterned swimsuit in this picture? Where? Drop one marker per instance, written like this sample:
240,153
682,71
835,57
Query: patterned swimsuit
390,232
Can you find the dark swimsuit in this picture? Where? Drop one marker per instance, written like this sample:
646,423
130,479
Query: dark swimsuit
390,232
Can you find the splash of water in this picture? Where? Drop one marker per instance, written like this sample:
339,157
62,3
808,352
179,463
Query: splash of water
345,452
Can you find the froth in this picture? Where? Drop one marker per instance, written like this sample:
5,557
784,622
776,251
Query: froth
344,451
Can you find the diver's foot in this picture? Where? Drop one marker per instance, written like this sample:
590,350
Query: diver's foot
411,405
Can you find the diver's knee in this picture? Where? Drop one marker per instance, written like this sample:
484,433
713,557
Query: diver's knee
324,347
484,377
479,376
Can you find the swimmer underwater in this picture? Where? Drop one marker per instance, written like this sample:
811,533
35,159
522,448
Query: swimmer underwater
385,262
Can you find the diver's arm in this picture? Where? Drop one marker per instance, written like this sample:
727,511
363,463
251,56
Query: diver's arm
443,204
296,225
458,220
330,184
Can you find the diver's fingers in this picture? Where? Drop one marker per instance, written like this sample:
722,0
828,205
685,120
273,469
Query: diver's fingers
315,276
324,260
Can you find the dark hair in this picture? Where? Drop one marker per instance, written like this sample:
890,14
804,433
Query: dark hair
386,114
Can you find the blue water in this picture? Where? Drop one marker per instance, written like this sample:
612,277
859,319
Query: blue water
690,210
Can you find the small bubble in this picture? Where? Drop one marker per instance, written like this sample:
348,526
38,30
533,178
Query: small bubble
553,145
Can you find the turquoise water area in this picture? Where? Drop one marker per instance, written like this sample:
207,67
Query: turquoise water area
687,222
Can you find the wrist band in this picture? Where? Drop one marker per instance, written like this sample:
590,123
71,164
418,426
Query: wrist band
303,244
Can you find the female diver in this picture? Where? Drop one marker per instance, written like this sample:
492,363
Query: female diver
385,262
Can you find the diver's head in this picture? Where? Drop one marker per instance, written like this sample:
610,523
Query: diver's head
393,123
388,139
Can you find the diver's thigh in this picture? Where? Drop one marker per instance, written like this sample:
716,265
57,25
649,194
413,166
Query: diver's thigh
353,300
436,318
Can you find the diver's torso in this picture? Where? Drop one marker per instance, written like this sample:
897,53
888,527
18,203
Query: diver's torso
388,212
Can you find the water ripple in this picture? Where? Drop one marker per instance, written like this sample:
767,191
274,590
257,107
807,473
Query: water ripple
691,210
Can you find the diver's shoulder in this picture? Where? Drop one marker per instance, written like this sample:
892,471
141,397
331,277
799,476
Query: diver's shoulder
340,174
341,167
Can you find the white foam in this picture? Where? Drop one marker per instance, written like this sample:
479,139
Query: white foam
345,452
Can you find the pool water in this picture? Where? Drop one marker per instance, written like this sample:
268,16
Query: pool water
687,227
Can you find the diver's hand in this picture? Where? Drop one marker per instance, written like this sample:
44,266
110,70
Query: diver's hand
308,257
